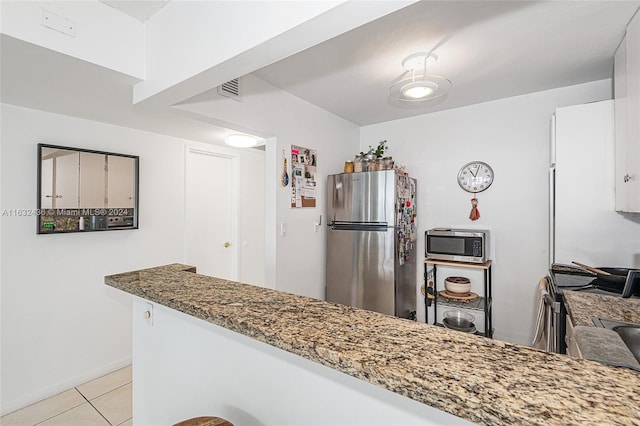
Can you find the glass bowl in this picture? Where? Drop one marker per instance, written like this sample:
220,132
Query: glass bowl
459,320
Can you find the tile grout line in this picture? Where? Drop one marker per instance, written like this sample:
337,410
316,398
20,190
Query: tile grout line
62,412
94,407
103,394
76,406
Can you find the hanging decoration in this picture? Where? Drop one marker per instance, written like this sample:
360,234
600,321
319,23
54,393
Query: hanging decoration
285,176
475,213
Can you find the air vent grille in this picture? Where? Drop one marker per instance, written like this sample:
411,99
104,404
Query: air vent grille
231,89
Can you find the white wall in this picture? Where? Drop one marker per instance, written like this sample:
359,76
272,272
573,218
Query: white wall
185,367
103,35
512,135
251,217
60,325
288,120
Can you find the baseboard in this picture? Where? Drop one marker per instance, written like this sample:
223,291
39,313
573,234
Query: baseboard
40,394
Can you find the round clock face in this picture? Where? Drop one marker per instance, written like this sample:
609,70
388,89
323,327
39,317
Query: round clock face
475,176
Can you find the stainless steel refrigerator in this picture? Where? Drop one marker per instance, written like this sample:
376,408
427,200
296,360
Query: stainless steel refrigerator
371,238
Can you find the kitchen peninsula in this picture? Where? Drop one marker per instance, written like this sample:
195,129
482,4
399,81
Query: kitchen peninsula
222,348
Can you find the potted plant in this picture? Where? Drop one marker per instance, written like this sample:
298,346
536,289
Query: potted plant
376,152
379,151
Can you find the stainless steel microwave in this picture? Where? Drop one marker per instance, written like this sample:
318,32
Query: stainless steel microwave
458,245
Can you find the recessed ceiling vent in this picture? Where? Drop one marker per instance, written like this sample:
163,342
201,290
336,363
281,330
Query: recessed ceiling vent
231,89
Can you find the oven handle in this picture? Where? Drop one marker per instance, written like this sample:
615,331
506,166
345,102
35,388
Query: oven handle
552,322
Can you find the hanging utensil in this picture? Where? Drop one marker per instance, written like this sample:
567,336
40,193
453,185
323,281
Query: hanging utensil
285,176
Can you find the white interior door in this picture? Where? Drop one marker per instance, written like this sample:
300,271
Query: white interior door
210,227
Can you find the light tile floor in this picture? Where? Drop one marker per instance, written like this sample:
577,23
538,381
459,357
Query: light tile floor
105,401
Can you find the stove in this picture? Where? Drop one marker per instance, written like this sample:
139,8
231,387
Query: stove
566,277
569,278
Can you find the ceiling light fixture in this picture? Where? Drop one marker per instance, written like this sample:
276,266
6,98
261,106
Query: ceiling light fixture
241,141
419,86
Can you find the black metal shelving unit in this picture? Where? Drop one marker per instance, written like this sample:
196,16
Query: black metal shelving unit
483,303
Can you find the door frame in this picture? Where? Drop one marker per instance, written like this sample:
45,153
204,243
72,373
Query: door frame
211,151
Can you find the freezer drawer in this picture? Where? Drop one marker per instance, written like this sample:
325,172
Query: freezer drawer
360,269
362,197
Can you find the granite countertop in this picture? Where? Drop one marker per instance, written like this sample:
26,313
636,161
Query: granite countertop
583,306
482,380
597,343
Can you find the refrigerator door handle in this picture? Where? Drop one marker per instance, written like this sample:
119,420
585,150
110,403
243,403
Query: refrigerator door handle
359,226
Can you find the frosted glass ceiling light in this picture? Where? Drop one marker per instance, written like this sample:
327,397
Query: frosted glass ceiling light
241,141
418,89
419,86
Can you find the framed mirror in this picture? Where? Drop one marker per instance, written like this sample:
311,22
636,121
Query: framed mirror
81,190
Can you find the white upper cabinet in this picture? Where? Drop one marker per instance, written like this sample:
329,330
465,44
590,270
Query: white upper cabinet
121,182
627,116
59,184
92,180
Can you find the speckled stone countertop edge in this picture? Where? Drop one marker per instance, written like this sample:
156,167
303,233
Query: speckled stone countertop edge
356,342
583,307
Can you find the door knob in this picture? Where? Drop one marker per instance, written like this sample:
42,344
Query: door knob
227,244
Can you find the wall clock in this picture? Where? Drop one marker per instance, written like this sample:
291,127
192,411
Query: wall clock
475,176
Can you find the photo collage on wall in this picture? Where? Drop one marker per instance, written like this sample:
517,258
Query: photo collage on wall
303,176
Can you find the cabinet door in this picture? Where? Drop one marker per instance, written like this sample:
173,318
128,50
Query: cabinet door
633,116
65,182
121,182
627,104
46,184
620,106
572,347
92,180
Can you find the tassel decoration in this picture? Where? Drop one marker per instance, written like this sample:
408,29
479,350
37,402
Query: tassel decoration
475,213
284,180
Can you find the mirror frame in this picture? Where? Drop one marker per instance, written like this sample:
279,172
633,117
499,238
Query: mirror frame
69,214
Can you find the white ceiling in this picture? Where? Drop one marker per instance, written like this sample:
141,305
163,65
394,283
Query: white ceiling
488,49
141,10
35,77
